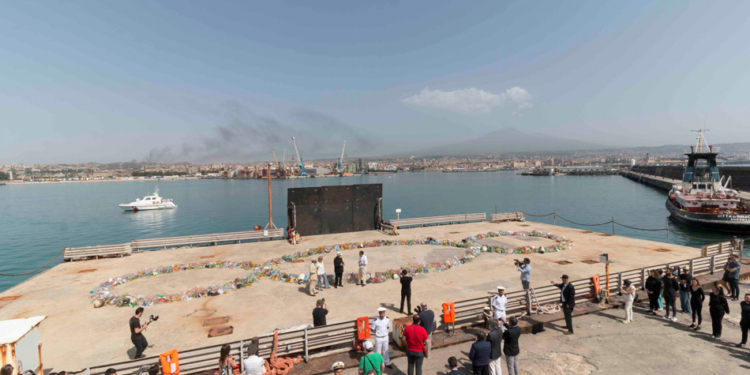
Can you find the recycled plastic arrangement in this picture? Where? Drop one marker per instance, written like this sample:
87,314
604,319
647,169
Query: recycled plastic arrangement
106,296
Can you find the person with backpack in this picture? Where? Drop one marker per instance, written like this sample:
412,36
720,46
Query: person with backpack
371,361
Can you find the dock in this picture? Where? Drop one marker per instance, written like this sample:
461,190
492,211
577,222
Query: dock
62,293
665,183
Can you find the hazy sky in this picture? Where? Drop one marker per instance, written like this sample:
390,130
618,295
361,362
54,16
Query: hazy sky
198,81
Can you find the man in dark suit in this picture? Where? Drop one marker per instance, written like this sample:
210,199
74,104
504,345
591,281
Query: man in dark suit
453,364
568,301
427,321
511,350
480,355
495,337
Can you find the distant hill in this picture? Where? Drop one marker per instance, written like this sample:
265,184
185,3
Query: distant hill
512,140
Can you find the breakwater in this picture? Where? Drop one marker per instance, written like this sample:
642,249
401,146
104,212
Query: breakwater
740,175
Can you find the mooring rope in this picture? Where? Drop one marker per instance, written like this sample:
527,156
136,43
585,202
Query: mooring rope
528,214
585,225
644,229
30,272
538,308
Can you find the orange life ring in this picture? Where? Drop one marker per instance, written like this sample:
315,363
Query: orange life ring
597,285
169,363
363,328
449,312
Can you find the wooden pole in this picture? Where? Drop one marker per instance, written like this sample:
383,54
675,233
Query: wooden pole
667,221
270,206
613,230
607,282
554,218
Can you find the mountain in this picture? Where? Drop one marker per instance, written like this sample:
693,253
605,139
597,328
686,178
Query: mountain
511,140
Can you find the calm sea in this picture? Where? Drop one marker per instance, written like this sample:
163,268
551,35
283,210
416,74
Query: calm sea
37,221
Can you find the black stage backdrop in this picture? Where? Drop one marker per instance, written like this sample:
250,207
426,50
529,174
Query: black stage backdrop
334,209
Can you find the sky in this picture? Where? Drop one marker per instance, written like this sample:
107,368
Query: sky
168,81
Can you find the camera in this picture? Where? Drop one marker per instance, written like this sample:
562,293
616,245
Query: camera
153,319
517,262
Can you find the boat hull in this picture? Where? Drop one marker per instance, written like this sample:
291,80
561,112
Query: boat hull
727,223
136,208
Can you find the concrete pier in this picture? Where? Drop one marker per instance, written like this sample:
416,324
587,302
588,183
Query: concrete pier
666,183
62,293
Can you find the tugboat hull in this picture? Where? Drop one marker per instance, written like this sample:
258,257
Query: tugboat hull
727,223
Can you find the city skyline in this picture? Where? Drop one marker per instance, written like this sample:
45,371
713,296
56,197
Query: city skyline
167,83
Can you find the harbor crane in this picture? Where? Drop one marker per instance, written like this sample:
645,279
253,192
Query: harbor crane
301,172
340,164
275,159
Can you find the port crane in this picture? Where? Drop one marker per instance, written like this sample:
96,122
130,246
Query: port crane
301,172
340,164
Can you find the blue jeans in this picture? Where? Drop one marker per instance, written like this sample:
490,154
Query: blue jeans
323,279
685,301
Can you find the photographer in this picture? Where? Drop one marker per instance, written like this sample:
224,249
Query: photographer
525,269
136,333
319,313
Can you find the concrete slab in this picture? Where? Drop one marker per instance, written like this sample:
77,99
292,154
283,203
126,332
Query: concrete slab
62,292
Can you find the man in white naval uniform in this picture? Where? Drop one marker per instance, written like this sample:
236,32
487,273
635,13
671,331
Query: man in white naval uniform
499,301
380,327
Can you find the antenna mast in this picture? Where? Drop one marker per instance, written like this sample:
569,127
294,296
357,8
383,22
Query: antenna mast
701,139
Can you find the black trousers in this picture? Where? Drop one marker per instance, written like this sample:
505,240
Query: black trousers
414,360
734,285
568,318
670,301
745,326
140,346
697,311
481,370
406,296
337,281
716,317
653,301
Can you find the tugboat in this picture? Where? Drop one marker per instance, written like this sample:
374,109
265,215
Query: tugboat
704,199
149,202
539,172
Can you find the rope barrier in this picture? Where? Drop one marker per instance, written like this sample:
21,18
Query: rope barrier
585,225
30,272
528,214
624,225
643,229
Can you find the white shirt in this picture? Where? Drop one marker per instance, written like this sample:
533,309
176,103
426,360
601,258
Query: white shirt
498,303
630,297
363,261
380,326
321,268
254,365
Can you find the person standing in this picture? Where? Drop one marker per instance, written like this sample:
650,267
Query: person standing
405,291
253,363
416,340
480,355
136,333
568,301
338,269
697,296
499,301
319,313
511,349
312,279
322,276
453,365
427,321
495,338
686,281
733,276
226,361
362,267
670,294
380,327
371,361
629,292
653,288
717,307
744,319
525,269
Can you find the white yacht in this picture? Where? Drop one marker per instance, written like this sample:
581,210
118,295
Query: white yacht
149,202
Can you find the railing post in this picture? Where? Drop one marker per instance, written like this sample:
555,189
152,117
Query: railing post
619,283
713,263
242,356
528,300
554,218
704,251
305,343
643,279
613,225
740,245
667,220
721,245
692,267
